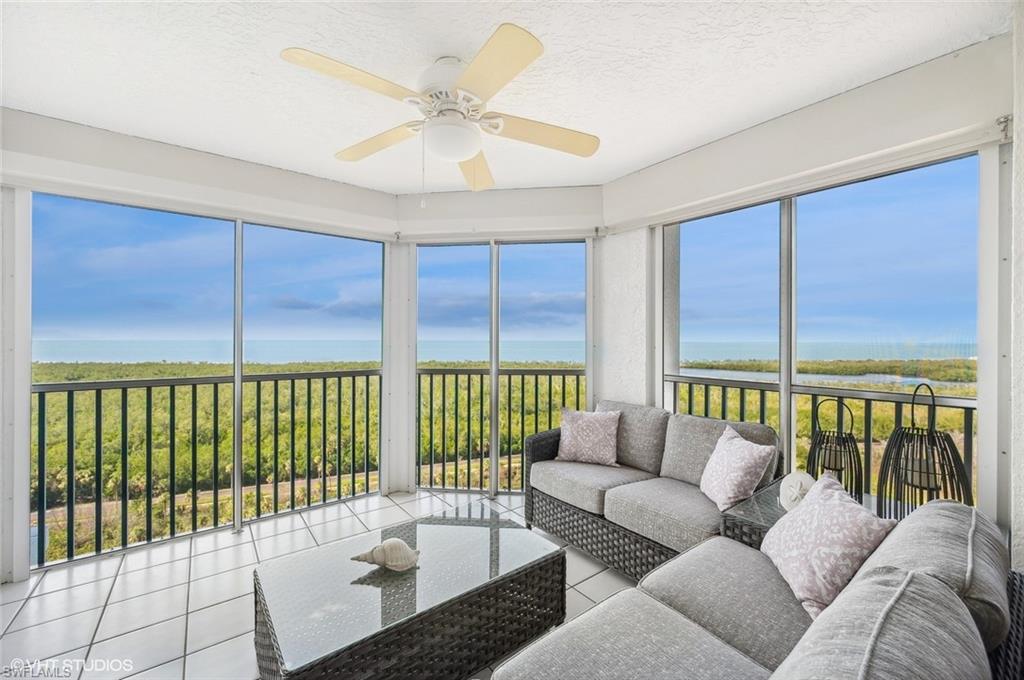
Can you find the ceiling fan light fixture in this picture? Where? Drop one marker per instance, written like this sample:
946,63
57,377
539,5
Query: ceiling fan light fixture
451,138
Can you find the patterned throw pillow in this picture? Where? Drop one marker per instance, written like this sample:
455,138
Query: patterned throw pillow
588,437
734,469
820,544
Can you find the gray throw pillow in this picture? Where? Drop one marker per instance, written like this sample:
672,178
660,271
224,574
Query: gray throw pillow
588,437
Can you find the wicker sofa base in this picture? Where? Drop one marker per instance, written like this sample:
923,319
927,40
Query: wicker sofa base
616,546
452,640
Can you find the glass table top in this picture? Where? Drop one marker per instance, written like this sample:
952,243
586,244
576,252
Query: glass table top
763,508
320,601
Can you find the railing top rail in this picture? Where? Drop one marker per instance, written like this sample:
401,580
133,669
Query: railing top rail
134,383
727,382
822,391
501,371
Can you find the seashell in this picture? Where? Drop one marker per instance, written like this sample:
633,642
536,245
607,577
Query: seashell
793,488
393,553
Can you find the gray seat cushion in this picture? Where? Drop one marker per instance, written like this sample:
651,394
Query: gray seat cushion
641,439
690,441
732,590
629,635
890,624
581,484
665,510
962,548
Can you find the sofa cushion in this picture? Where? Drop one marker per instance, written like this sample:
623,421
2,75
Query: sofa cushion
668,511
962,548
581,484
690,441
890,624
641,434
629,635
731,590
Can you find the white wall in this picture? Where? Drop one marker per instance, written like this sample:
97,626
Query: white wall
941,106
624,325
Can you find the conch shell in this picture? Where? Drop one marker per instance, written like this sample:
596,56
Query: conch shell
394,554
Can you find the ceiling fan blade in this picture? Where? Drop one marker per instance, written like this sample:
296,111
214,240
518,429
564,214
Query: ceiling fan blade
370,146
331,67
477,173
543,134
505,54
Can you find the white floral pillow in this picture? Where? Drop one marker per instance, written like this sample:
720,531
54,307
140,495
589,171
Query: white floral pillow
821,543
589,437
734,469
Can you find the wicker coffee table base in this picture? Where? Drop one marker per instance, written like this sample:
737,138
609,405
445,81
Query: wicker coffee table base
452,640
616,546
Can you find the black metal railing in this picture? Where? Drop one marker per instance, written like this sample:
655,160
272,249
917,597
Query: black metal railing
121,462
454,421
875,413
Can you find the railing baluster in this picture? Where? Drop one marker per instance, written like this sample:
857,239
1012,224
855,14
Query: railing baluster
761,406
259,448
172,487
149,463
743,404
216,454
577,393
70,510
689,398
309,442
469,430
969,448
366,439
868,441
291,436
536,401
899,414
508,464
444,431
431,397
323,440
563,397
814,409
124,468
98,474
675,397
195,452
839,414
725,403
483,435
457,485
707,400
337,470
41,484
277,432
522,421
549,401
352,466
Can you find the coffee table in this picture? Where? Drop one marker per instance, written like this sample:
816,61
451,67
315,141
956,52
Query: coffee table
484,586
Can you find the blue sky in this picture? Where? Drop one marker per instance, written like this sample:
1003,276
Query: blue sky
890,261
110,272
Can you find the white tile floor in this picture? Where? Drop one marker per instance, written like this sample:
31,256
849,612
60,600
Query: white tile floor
183,609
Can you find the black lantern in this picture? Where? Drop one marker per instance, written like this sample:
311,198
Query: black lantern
836,451
920,464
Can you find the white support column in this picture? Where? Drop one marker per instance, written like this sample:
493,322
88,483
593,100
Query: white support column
494,335
993,352
15,380
1017,297
398,445
787,329
669,312
237,496
590,372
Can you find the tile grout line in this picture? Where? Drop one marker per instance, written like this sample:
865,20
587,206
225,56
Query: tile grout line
96,630
188,602
24,602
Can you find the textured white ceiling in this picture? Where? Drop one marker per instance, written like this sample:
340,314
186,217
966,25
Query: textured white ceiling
651,79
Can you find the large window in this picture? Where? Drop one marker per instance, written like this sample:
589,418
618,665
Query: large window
887,281
541,337
135,427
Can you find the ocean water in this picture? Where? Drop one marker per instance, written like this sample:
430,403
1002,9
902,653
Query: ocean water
281,351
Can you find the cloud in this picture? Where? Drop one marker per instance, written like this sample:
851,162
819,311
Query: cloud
292,302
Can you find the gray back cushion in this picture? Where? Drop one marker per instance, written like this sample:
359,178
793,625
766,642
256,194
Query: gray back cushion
690,441
891,624
962,548
641,434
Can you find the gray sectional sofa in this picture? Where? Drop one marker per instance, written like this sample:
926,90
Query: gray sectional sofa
928,604
649,509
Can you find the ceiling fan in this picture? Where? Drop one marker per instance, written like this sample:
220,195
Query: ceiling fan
452,99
